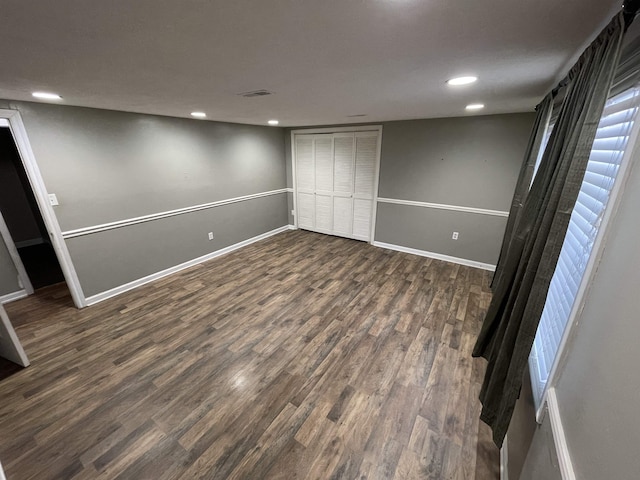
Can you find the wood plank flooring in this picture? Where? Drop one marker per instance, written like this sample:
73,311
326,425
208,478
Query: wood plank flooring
302,356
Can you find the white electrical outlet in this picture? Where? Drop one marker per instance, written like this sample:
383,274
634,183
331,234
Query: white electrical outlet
454,236
210,235
293,213
53,200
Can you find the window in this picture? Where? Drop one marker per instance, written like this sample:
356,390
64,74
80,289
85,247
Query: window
604,162
543,146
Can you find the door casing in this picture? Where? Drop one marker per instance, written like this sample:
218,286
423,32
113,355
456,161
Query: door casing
36,181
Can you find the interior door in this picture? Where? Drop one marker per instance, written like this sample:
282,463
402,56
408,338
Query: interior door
323,155
366,151
10,347
344,158
305,182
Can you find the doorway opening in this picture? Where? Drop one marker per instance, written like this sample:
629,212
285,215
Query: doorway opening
23,219
46,235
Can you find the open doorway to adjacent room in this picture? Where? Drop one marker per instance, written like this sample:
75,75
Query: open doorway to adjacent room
23,219
29,228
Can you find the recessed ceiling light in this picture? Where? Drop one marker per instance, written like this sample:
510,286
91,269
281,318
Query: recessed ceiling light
462,80
47,95
475,106
198,114
273,122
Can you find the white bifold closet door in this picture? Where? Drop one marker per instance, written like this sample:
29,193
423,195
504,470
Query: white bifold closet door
305,183
323,170
364,184
335,182
343,161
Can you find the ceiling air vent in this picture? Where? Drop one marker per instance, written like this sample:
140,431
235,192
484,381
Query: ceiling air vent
256,93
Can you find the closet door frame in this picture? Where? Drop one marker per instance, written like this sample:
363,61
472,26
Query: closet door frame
355,128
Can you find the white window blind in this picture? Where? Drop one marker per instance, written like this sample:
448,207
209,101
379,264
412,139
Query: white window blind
604,162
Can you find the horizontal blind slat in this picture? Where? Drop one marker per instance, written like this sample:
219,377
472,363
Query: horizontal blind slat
615,117
616,130
604,156
605,168
609,143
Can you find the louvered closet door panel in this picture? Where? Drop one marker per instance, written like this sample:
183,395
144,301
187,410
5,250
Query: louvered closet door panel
304,163
324,213
343,215
306,207
343,163
323,151
323,146
366,153
362,210
364,183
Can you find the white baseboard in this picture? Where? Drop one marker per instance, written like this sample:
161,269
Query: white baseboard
99,297
504,460
437,256
2,477
562,449
10,297
292,227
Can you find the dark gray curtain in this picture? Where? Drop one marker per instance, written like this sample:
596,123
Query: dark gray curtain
524,179
511,322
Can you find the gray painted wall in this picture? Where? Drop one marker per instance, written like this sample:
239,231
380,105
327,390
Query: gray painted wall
521,429
530,446
466,161
175,240
541,462
8,272
598,389
106,166
430,229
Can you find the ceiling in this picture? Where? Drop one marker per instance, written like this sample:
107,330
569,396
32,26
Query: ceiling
324,60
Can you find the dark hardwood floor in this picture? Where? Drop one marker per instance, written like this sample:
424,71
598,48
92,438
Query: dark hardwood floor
302,356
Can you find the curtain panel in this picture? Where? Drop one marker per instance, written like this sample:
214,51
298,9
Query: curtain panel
539,228
543,113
